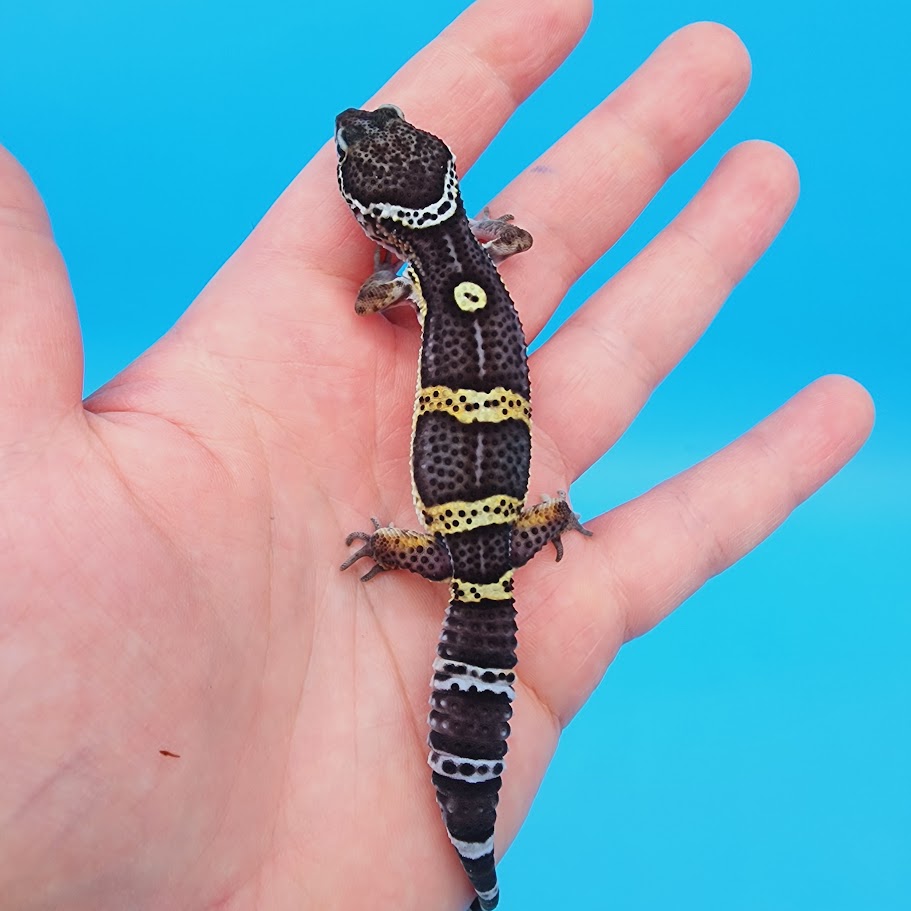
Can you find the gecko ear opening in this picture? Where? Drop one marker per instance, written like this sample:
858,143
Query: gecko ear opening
394,108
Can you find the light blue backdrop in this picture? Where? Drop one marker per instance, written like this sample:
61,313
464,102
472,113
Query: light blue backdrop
753,752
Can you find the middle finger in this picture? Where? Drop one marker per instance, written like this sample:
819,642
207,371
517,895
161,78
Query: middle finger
580,196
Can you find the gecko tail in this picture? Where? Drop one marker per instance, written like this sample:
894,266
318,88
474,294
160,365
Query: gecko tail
473,685
479,905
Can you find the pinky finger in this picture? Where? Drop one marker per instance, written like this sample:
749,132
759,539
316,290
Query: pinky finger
707,518
40,345
652,553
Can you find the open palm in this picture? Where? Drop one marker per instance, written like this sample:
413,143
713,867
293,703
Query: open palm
169,549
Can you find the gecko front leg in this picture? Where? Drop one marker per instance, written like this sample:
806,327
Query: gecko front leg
384,288
499,236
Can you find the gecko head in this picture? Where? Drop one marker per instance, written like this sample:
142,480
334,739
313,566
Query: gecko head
396,178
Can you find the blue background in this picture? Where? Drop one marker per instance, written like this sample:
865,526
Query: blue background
752,752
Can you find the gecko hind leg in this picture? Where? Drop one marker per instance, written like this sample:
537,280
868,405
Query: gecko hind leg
398,548
543,524
499,236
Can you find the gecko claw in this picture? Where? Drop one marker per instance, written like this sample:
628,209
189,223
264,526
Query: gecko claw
575,523
365,551
363,535
558,547
373,572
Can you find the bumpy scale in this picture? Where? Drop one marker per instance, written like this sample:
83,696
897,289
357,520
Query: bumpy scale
470,452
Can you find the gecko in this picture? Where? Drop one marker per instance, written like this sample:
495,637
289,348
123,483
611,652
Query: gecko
470,452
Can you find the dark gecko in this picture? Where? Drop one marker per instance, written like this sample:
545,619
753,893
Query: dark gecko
470,452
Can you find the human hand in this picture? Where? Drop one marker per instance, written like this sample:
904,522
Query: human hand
170,551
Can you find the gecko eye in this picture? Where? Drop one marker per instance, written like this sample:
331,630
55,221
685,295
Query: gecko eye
340,142
393,108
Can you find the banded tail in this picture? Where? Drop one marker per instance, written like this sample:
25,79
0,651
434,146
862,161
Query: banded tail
469,722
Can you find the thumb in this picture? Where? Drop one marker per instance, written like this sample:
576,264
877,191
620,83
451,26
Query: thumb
40,344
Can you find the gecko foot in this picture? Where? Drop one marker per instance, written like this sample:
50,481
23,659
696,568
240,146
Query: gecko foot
385,288
541,524
365,551
398,548
499,236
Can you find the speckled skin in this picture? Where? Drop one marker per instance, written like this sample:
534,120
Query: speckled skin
470,455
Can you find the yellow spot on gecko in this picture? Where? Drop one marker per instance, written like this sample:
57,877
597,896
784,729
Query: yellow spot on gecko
469,296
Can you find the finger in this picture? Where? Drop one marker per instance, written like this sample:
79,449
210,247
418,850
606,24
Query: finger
583,193
40,346
484,65
651,554
604,363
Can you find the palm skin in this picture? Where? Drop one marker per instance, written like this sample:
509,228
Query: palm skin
170,548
